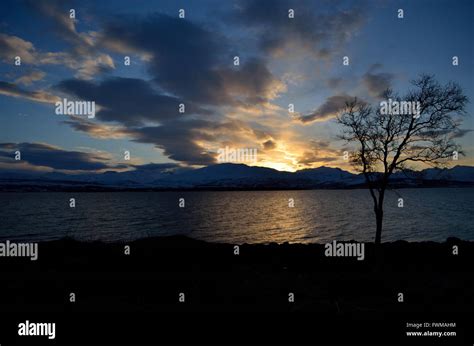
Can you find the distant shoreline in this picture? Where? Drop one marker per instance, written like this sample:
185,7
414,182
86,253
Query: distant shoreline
72,187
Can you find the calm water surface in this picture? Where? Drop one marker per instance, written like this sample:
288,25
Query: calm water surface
238,216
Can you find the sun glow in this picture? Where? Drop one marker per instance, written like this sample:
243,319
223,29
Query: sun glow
279,166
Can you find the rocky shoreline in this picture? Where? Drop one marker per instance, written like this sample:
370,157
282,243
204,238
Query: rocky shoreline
182,275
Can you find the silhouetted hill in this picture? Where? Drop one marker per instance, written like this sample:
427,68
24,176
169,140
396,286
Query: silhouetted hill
230,176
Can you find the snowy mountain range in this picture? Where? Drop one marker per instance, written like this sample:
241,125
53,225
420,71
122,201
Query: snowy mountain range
230,176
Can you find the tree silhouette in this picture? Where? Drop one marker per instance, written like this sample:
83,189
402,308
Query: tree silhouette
388,142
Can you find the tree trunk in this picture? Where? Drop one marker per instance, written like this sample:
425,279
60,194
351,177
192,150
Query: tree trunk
378,231
379,217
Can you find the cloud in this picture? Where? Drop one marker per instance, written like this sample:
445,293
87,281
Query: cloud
184,140
13,46
269,145
192,62
90,66
30,77
328,110
129,101
377,82
183,54
64,26
253,81
86,64
10,89
319,29
83,56
146,116
46,155
97,130
319,152
180,140
310,158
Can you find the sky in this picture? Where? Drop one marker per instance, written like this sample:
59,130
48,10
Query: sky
190,61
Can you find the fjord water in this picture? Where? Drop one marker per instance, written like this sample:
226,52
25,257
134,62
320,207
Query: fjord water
238,216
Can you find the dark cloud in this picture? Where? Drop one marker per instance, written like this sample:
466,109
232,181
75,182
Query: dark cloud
319,151
190,61
129,101
328,110
319,28
179,141
39,154
269,145
182,140
310,157
377,82
252,84
319,143
182,53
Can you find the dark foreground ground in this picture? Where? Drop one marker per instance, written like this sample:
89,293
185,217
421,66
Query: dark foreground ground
238,298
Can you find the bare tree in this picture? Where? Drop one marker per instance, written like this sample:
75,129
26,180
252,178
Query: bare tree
388,142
